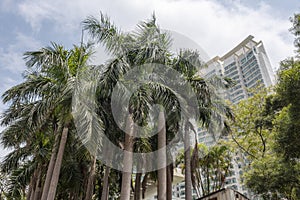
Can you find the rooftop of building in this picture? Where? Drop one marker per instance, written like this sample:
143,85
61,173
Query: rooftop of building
237,48
221,190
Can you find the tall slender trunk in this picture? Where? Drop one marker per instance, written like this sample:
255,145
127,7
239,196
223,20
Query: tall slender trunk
30,194
30,189
105,189
202,184
162,157
57,167
137,187
207,178
169,181
128,159
187,163
144,185
196,184
37,192
105,183
91,180
50,169
99,181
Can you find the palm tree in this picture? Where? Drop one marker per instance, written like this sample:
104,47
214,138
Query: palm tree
162,157
210,167
210,106
63,69
149,45
45,95
129,50
24,136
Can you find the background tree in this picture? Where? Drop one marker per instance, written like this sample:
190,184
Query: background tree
274,161
251,129
210,167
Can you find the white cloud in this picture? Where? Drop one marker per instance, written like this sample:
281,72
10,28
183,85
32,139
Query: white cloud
35,13
7,5
216,27
11,56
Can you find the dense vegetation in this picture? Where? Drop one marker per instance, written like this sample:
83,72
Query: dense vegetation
48,159
267,129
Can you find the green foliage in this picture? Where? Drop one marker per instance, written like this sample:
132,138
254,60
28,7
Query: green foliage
296,31
40,107
267,128
250,129
288,121
210,167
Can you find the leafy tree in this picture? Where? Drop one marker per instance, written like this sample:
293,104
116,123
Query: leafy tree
288,122
251,129
270,135
210,167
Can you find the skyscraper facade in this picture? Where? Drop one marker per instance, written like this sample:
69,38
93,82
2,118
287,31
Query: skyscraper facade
248,65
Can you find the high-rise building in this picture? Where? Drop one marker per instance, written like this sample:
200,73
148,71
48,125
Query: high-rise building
249,66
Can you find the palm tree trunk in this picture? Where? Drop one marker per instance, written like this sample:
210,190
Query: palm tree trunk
50,169
99,181
187,163
105,189
144,185
207,177
202,184
30,194
37,193
169,181
91,179
56,170
105,184
137,187
30,190
127,160
162,157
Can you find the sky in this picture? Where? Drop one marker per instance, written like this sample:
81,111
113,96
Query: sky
215,25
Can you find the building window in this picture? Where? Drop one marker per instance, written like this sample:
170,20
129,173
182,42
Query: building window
254,49
234,187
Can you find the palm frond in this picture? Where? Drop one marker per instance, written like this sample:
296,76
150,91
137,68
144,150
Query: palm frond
19,179
153,44
13,159
89,124
104,31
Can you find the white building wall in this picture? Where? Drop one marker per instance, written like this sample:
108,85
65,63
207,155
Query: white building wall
247,64
230,65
